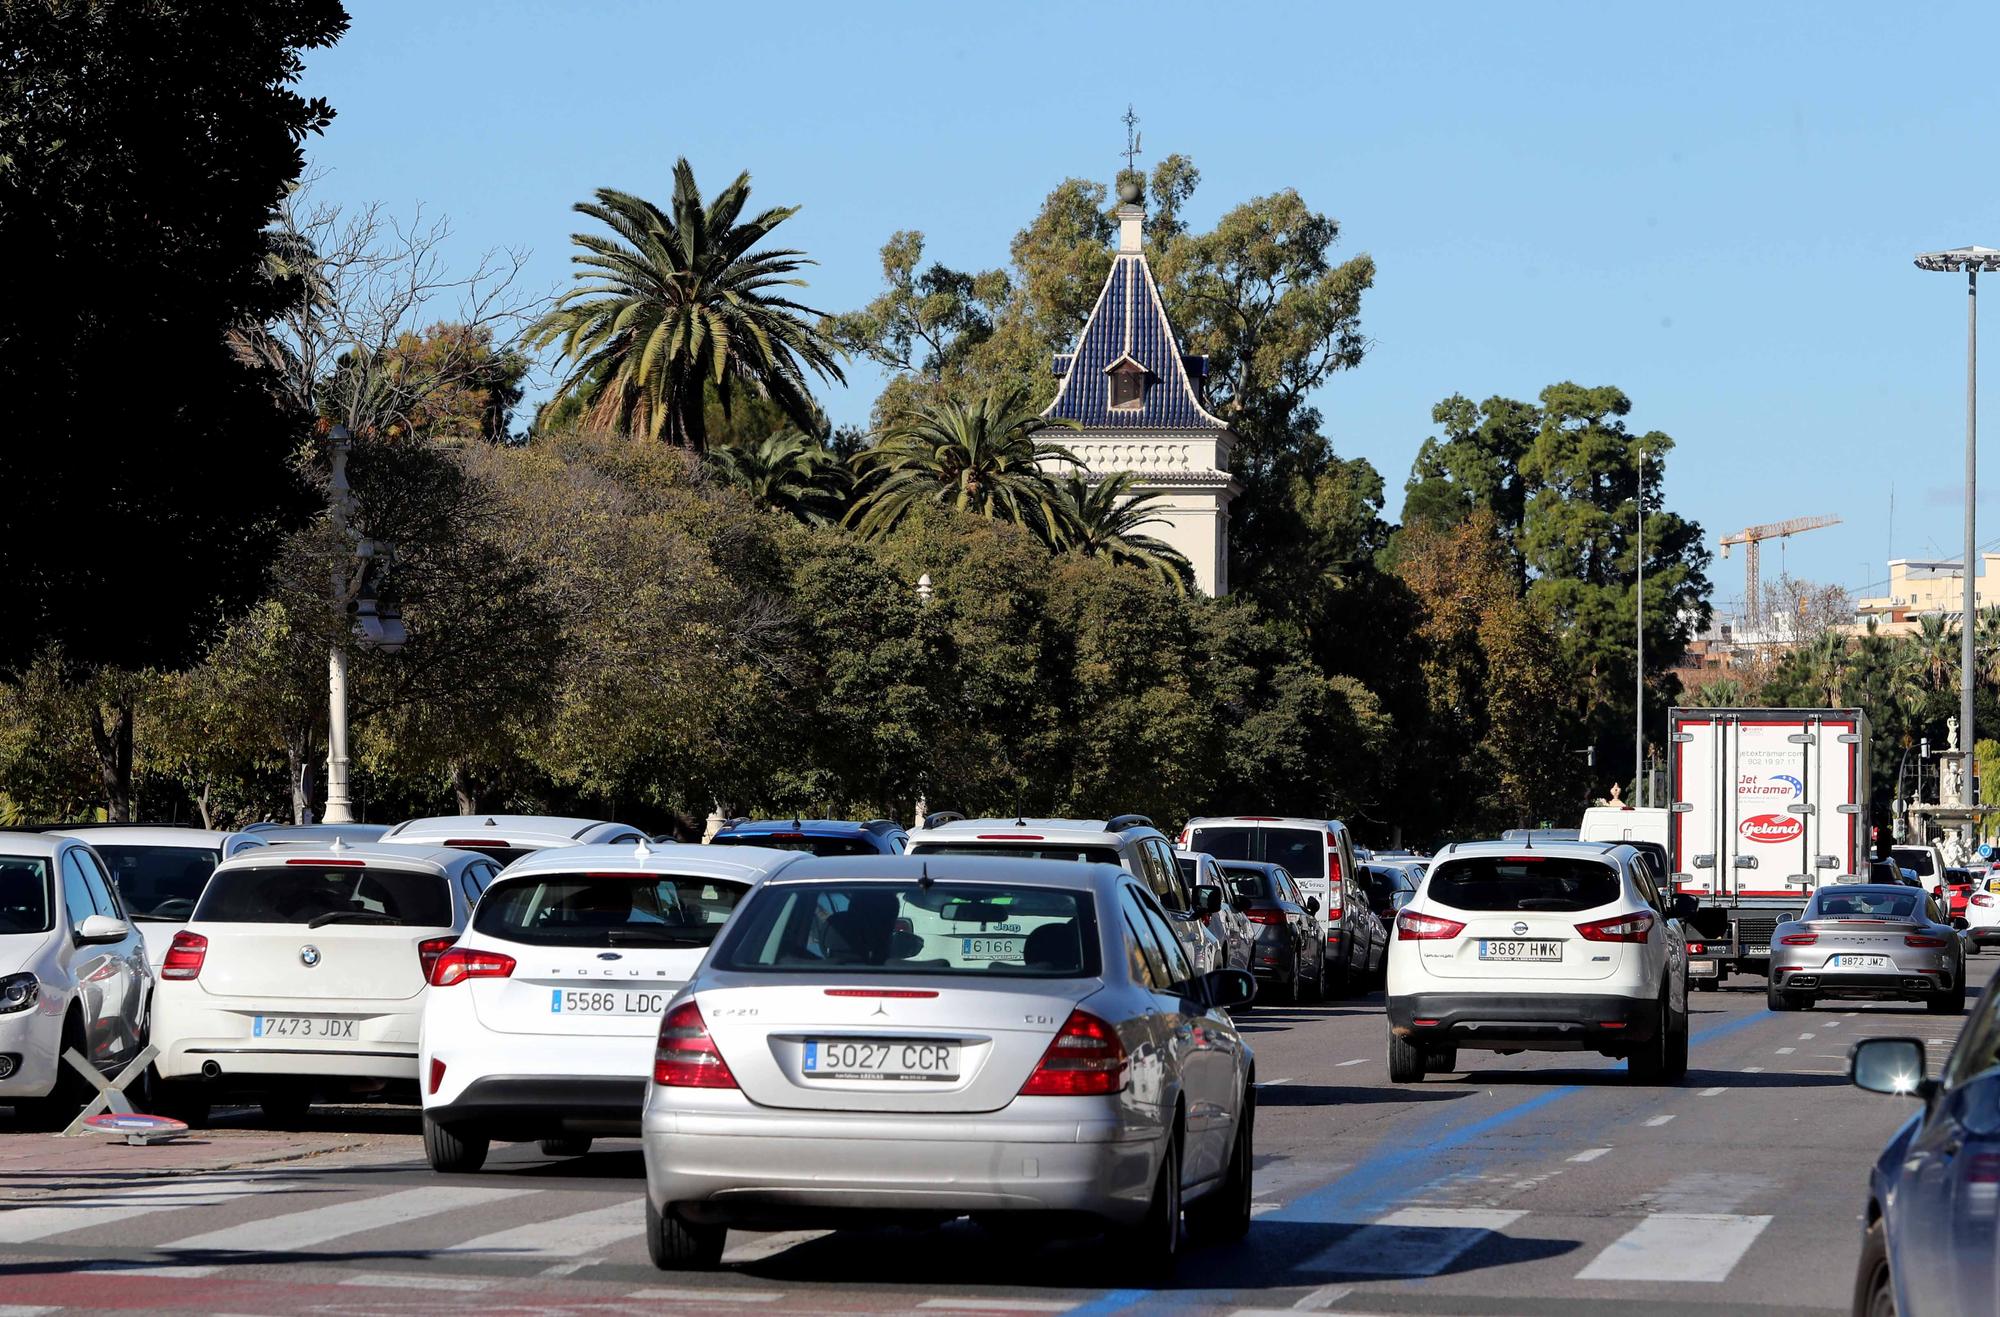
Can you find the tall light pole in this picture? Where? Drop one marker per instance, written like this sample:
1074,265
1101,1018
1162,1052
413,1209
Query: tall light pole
1639,783
1971,260
339,808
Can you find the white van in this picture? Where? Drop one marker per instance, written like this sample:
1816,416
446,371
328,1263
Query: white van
1624,823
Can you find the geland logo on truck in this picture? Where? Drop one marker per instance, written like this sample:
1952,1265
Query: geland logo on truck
1771,828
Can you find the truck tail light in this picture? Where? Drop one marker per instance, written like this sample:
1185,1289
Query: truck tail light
457,964
1426,928
1084,1059
1697,948
184,956
1618,928
687,1055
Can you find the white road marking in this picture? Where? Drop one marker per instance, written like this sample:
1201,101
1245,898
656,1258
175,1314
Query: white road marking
1712,1092
1267,1083
1940,1042
1786,1051
562,1269
410,1281
24,1310
60,1216
1416,1241
564,1237
1659,1120
1753,1070
317,1225
708,1296
168,1273
1804,1036
1359,1060
1258,1209
1323,1297
1693,1246
1833,1024
763,1246
1589,1154
1001,1305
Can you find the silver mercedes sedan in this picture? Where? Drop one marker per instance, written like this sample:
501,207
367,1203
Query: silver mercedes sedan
1868,940
894,1038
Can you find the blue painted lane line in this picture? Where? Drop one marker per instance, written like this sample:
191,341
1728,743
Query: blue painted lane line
1115,1301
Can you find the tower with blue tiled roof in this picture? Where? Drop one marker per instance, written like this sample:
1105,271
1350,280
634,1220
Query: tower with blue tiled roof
1140,402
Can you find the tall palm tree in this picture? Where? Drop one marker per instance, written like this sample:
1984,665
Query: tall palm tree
1721,693
1103,519
1826,661
985,457
787,471
679,303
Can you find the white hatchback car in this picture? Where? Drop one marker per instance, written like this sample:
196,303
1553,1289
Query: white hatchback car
540,1023
303,971
508,837
72,974
160,871
1553,946
1982,912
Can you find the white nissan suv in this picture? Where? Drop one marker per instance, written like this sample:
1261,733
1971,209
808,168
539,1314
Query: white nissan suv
1510,946
541,1022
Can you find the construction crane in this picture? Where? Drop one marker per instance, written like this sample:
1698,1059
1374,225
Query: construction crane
1750,537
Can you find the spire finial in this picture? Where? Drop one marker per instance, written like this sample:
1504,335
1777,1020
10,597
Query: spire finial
1131,150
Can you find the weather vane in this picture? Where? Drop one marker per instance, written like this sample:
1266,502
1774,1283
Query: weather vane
1131,137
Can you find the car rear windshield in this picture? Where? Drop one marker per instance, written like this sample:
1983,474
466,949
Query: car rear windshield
159,882
1917,859
1301,851
1864,905
1026,850
982,930
646,910
316,895
1525,883
1253,883
801,841
24,894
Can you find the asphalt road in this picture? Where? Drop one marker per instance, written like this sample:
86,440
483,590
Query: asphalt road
1534,1184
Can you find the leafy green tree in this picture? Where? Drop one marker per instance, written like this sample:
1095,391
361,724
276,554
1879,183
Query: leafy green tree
680,301
1475,464
1104,518
787,472
987,456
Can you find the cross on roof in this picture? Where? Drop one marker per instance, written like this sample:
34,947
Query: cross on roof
1131,136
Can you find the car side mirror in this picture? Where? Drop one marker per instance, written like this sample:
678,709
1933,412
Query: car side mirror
1890,1065
1229,987
1684,906
1207,898
1312,905
101,928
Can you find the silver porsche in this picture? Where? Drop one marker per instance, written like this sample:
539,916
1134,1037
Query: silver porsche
891,1038
1868,940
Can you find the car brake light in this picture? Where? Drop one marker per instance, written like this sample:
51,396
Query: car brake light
1265,916
1982,1168
476,844
331,864
184,956
429,950
891,994
1798,939
437,1074
687,1057
1085,1058
1618,928
457,964
1425,928
1923,940
1982,899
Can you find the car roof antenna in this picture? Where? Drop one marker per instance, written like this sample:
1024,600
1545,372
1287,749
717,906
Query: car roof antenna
924,879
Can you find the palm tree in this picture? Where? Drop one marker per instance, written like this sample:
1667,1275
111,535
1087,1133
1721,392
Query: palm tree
1931,659
1826,661
789,472
1722,693
984,457
679,304
1103,518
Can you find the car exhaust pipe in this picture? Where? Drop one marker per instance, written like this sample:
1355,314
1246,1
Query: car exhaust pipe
211,1069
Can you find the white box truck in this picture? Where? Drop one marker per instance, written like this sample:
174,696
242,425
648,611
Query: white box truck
1766,806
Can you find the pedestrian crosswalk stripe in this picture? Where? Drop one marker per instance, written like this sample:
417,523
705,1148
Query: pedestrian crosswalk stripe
408,1281
1691,1246
705,1296
318,1225
564,1237
1416,1241
21,1225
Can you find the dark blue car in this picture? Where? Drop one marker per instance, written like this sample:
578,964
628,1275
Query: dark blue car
819,836
1931,1227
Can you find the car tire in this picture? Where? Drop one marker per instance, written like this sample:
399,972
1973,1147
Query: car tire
1222,1216
285,1110
1149,1249
1406,1061
1948,1003
1779,1000
1653,1062
571,1146
1677,1047
71,1090
179,1099
1440,1060
677,1245
448,1150
1325,991
1705,985
1874,1286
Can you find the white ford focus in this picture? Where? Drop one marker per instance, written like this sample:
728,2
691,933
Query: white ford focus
540,1023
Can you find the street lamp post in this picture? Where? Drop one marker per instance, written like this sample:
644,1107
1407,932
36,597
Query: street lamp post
1971,260
1639,783
339,808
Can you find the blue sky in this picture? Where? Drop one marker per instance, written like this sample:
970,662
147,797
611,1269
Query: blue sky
1711,206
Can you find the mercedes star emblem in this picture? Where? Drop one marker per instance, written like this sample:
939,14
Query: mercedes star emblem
309,955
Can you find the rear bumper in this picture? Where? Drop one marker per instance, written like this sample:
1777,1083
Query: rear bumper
194,1031
1897,983
716,1158
1557,1022
521,1107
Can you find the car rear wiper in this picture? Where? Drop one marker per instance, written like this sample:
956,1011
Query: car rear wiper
352,917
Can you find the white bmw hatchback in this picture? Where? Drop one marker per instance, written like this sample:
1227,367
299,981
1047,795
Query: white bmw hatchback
540,1023
302,971
1556,946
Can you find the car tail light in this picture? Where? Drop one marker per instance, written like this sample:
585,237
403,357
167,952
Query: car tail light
1265,916
1983,1168
457,964
687,1057
429,950
1982,899
184,956
331,864
1618,928
1798,939
1923,940
437,1074
1424,928
1084,1058
1333,874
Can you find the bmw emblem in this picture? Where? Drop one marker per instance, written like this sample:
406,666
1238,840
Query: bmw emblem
309,955
1519,929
